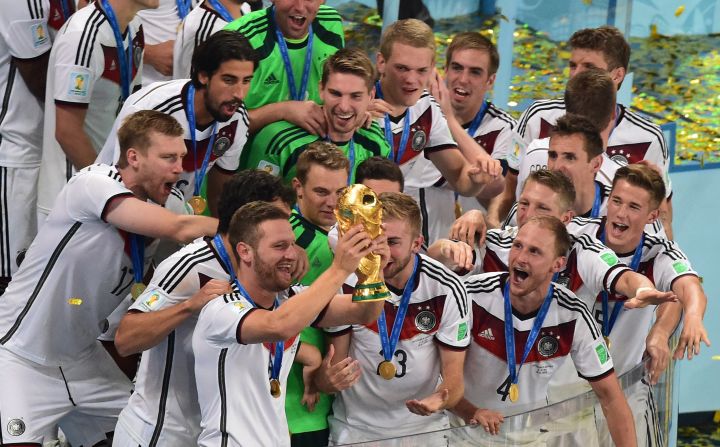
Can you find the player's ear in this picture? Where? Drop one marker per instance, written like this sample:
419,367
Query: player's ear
652,217
244,252
559,264
417,244
132,156
297,186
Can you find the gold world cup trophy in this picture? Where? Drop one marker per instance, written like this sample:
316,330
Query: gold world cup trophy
359,204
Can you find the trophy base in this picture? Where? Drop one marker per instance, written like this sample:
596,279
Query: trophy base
365,293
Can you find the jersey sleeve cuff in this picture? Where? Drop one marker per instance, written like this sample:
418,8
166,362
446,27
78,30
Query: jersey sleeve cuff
338,331
320,316
672,283
79,105
223,170
238,332
110,200
596,378
452,347
614,276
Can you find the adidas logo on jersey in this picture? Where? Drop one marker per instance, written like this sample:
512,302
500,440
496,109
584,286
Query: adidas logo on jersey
271,80
487,334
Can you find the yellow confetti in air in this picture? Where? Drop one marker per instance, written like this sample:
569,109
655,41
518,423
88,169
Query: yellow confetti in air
716,357
587,2
75,301
679,10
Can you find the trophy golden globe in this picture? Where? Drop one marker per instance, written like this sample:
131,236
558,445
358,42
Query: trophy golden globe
359,204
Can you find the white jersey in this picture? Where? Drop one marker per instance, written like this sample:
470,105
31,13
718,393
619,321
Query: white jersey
568,330
24,34
161,24
429,132
201,23
233,380
164,408
437,315
83,72
633,139
171,98
662,262
76,272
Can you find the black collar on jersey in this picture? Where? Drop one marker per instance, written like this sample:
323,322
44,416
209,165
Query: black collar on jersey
397,119
306,223
520,316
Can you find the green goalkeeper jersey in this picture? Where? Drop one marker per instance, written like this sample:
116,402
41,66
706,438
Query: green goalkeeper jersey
270,82
276,148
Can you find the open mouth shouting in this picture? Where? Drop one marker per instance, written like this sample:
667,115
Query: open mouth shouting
518,275
617,229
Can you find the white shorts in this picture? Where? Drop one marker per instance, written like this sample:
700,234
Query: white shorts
18,219
84,398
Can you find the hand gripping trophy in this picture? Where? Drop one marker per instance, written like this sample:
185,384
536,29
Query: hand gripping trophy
359,204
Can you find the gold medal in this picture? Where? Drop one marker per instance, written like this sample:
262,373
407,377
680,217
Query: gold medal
198,204
275,388
514,392
136,290
607,340
387,370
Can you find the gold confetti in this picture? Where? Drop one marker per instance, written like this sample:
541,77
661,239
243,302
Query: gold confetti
679,10
587,2
654,31
75,301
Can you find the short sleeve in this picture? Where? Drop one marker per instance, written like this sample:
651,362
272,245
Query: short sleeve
589,352
88,194
25,32
110,324
219,320
74,80
599,266
670,265
503,144
454,330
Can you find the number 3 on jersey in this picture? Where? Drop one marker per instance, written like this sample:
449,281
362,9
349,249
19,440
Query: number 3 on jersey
401,357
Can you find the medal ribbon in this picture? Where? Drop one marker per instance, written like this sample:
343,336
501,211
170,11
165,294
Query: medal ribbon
396,156
65,9
389,344
608,321
475,124
595,212
294,93
199,173
220,9
137,256
276,353
183,8
125,59
351,158
510,332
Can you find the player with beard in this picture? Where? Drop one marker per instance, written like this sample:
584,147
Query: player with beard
83,262
346,89
548,323
418,132
245,342
210,108
411,358
163,410
293,39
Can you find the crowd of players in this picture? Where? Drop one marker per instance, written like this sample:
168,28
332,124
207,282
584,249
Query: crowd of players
527,261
